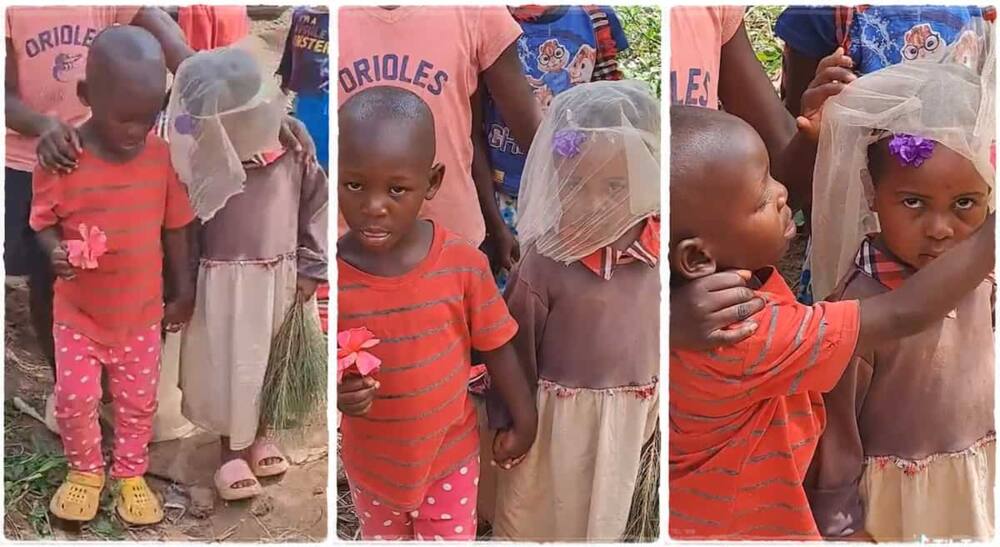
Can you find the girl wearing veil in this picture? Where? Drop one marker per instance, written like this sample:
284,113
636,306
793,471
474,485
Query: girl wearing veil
586,298
904,172
262,245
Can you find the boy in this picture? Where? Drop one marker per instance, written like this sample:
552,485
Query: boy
410,438
305,70
110,315
745,419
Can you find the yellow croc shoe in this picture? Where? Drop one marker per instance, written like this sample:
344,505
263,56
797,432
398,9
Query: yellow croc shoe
79,496
137,504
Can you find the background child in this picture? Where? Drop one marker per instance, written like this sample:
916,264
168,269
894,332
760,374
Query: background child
110,316
909,451
305,70
560,47
226,111
744,420
590,228
410,436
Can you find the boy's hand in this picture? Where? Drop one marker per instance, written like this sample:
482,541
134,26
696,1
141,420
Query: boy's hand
832,76
177,312
59,258
59,147
701,309
504,248
510,445
305,288
355,394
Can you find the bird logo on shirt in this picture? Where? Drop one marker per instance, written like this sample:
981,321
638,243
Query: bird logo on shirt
63,64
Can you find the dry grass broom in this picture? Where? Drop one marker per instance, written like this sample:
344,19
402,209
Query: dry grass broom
295,381
644,516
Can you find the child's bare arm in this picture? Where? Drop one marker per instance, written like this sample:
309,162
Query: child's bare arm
181,305
503,248
512,93
930,293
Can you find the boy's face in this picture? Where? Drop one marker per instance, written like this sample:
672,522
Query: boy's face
924,211
384,179
124,112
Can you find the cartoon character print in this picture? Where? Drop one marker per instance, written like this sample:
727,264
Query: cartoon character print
552,60
966,49
552,56
920,41
581,69
63,65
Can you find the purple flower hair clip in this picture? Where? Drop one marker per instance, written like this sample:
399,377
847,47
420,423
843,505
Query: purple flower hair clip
910,150
185,124
567,142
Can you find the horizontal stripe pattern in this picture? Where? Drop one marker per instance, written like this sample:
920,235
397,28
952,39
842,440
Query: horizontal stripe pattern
744,421
132,203
422,421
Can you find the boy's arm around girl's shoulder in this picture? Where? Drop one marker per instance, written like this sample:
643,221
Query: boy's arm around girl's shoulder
930,293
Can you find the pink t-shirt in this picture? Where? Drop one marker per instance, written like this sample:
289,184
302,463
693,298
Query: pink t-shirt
697,35
438,53
50,50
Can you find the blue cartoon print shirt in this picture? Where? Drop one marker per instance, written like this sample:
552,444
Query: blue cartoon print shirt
305,64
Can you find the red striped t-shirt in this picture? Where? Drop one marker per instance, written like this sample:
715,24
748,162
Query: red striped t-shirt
745,420
422,425
131,203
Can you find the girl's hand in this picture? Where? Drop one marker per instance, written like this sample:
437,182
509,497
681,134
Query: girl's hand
305,288
356,394
511,445
702,311
832,76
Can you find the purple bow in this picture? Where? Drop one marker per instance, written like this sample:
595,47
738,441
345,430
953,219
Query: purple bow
911,150
567,142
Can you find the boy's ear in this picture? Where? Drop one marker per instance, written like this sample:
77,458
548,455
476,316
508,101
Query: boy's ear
81,92
435,177
691,259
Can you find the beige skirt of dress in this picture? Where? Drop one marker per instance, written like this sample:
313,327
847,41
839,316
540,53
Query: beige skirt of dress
239,308
576,482
945,497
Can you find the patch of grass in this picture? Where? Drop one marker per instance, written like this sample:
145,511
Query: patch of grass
759,21
641,61
30,479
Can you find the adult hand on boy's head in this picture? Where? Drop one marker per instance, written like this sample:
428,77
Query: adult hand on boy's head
832,76
59,259
355,394
59,147
295,137
701,311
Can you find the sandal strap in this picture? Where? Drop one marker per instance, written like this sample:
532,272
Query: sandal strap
88,480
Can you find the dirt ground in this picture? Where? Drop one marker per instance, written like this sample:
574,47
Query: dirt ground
293,508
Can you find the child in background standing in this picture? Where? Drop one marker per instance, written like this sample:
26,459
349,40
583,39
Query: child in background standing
225,116
305,70
561,47
410,434
110,316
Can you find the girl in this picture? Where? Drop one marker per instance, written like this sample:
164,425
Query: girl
263,244
903,174
586,299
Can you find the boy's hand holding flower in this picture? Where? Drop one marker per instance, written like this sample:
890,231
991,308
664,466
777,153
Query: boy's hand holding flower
355,387
59,258
833,74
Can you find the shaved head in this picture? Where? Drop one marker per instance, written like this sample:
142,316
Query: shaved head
382,106
126,53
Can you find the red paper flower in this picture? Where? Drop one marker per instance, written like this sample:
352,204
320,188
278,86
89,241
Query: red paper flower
83,253
350,352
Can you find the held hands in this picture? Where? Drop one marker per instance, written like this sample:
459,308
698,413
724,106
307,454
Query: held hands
356,394
504,250
702,310
511,445
177,313
59,147
832,76
59,258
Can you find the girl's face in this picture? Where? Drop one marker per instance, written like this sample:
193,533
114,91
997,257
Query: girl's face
924,211
595,186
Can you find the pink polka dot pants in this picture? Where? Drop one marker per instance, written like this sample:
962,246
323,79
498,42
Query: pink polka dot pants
448,512
133,370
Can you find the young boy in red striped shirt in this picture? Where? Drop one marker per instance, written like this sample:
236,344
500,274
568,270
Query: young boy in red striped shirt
410,434
745,420
108,310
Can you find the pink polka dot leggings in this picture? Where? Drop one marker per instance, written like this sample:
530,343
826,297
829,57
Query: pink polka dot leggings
134,369
447,512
